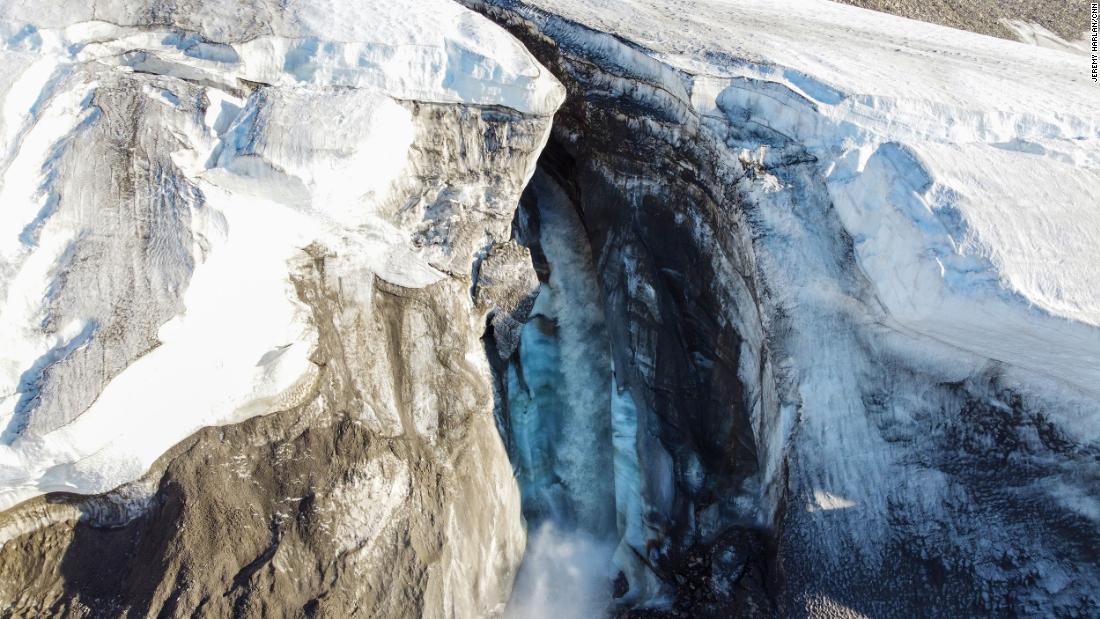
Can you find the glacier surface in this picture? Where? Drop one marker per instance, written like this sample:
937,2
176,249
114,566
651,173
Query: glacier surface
819,291
964,167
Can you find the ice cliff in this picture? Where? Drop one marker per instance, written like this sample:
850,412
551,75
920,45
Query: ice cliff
847,282
738,308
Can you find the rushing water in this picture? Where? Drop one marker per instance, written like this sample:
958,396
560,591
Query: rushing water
560,412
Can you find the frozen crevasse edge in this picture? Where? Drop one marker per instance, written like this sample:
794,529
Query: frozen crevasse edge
258,177
428,51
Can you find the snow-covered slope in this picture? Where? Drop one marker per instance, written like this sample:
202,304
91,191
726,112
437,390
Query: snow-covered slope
153,198
223,210
267,217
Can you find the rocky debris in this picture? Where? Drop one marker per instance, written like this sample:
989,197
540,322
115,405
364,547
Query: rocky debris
1067,18
506,286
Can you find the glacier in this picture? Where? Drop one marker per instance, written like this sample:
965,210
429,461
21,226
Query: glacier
847,269
726,307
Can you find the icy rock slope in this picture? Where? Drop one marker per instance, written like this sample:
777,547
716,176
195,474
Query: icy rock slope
266,217
890,228
153,196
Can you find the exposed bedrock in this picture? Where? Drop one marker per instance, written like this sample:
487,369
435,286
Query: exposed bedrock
778,447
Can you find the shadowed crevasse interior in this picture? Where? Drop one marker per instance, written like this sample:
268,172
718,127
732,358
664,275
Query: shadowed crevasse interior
625,412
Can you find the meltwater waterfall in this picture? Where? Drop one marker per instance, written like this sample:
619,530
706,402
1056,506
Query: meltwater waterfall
560,423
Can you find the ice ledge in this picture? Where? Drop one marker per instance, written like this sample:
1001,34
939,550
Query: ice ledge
434,50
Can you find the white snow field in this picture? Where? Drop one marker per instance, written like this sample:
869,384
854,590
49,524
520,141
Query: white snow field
147,240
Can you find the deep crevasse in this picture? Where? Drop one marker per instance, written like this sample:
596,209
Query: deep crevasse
902,227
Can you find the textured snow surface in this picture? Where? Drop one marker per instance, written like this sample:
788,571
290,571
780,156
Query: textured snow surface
965,168
429,51
1035,34
154,204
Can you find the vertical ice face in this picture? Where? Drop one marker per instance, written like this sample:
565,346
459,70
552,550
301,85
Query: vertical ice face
564,362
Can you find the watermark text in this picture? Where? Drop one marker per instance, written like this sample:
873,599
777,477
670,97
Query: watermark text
1092,30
